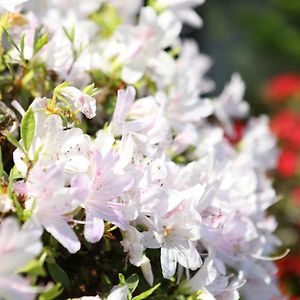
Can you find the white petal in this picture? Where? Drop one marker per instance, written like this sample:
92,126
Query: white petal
147,270
13,287
94,228
119,293
131,75
62,232
168,262
190,17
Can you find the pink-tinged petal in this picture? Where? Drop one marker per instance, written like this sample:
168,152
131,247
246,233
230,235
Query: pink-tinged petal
17,245
20,188
80,184
94,228
85,103
13,287
108,213
124,102
62,232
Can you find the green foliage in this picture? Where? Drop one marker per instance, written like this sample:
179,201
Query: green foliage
10,40
11,194
39,41
132,283
70,34
36,266
108,19
2,172
91,90
13,140
52,292
59,275
28,129
147,293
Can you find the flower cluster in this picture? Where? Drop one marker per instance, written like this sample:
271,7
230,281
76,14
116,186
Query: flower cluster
160,168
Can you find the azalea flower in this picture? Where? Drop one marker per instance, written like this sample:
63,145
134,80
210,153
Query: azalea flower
54,144
230,104
107,184
167,170
144,43
85,103
117,293
176,233
183,9
18,245
49,201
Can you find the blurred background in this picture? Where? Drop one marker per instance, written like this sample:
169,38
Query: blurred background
260,39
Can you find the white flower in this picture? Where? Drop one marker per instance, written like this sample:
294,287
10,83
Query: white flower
85,103
183,9
132,243
124,102
11,5
55,144
177,231
230,104
128,12
6,204
49,200
258,145
117,293
17,247
145,42
107,183
55,14
147,270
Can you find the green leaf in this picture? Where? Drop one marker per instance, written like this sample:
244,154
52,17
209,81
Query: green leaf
70,34
10,40
91,90
28,128
60,87
22,45
37,153
34,267
15,173
132,282
108,19
13,140
122,279
52,292
19,209
146,294
59,275
2,172
39,42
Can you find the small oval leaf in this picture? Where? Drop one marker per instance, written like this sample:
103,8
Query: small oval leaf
28,128
132,282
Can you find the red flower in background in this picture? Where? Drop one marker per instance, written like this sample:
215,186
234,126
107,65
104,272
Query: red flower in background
289,265
286,126
295,195
283,86
287,163
239,127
